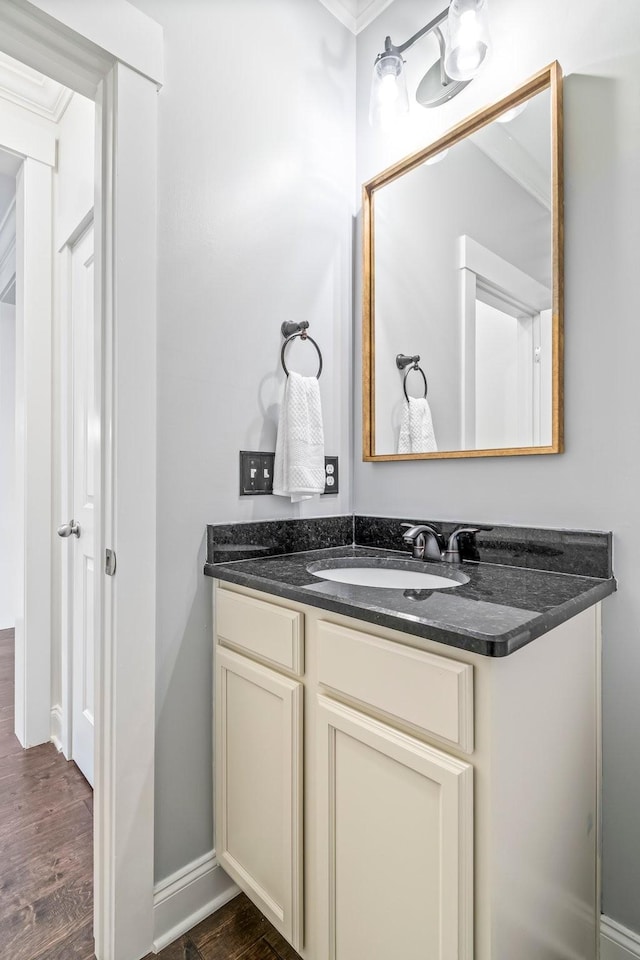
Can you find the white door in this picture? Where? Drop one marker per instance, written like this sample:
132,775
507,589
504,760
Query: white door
507,383
86,440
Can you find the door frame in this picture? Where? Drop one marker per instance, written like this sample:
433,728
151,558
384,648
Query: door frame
487,276
33,449
112,53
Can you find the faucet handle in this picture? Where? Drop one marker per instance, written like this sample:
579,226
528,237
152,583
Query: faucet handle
452,553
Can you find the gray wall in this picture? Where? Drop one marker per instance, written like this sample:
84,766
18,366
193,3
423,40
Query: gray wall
256,203
595,483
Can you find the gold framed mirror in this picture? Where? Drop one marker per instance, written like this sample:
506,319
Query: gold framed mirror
463,288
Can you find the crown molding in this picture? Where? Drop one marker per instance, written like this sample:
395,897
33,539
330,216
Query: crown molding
356,14
31,90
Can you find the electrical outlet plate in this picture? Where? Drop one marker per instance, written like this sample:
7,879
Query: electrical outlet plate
256,473
330,475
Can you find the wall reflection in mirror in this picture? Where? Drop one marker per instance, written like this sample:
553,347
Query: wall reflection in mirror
464,260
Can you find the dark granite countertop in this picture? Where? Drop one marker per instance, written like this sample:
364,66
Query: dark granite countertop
499,610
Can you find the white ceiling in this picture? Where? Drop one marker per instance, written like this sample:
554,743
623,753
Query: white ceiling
32,90
522,147
356,14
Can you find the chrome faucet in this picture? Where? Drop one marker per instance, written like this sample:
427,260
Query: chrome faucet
428,543
425,541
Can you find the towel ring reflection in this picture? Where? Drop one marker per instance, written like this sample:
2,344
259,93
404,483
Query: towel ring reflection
303,336
404,382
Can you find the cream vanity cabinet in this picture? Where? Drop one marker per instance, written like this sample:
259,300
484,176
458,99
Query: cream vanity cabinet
258,755
379,795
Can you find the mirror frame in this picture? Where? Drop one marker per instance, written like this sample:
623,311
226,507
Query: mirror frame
550,78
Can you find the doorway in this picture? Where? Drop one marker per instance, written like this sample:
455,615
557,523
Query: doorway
506,353
115,59
44,192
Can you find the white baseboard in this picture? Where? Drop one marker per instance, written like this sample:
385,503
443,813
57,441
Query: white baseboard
189,896
618,942
56,727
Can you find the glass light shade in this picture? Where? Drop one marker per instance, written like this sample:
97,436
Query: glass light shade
510,115
389,97
436,158
468,41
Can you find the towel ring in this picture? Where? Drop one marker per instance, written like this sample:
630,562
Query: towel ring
404,382
303,336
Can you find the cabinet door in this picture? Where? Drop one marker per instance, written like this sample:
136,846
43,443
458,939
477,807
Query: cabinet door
259,787
396,821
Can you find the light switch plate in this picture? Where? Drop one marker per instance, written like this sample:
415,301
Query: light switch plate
256,473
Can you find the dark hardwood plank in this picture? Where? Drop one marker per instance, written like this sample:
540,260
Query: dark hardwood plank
282,948
182,949
239,931
79,945
9,743
27,765
260,951
229,932
46,832
6,712
43,790
35,867
42,924
6,670
46,843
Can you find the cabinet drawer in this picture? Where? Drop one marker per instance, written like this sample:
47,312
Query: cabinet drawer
263,630
428,692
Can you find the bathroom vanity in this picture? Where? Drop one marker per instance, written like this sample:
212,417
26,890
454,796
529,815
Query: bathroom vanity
412,771
410,774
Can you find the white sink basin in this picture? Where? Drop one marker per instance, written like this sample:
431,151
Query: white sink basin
387,574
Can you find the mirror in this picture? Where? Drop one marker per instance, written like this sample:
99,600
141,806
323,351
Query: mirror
462,288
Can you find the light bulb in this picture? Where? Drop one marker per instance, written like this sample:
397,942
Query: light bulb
389,97
388,90
468,42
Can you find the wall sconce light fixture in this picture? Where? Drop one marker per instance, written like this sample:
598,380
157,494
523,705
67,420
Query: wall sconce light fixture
464,44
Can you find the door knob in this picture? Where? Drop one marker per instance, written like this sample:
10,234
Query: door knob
67,529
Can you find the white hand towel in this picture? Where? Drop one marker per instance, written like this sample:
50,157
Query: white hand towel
416,428
298,470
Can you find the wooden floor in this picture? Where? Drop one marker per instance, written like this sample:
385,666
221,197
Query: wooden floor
46,846
46,868
236,932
